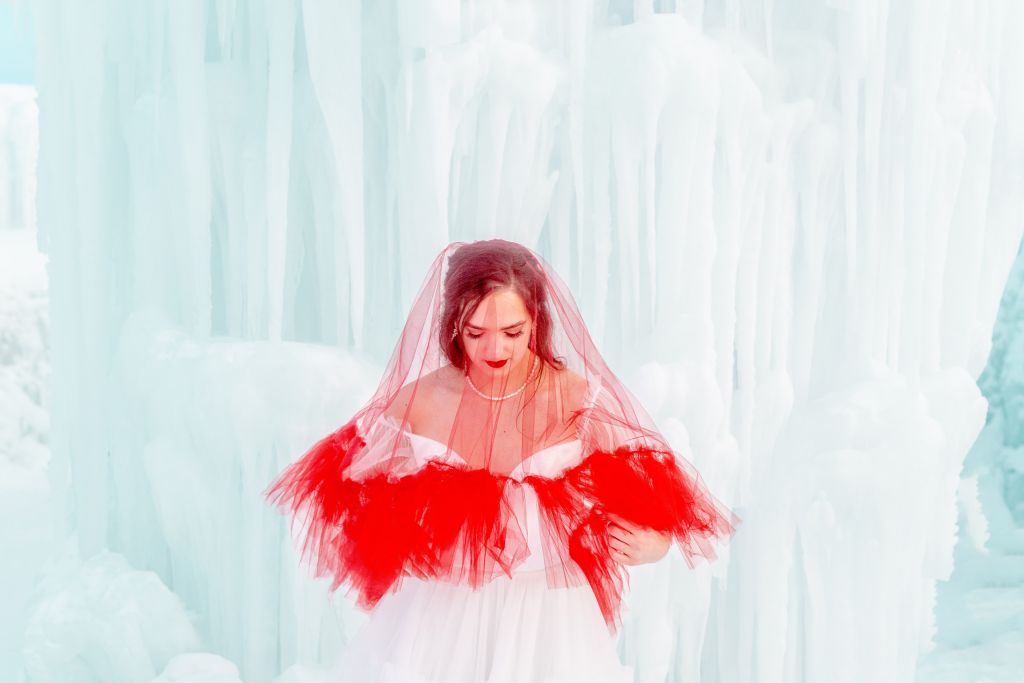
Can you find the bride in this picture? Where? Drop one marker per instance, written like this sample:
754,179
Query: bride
483,503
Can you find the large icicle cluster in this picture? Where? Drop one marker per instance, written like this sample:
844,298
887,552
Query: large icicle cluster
788,225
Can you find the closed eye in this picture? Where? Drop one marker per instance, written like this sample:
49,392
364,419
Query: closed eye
510,335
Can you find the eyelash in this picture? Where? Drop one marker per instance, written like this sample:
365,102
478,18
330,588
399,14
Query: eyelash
511,336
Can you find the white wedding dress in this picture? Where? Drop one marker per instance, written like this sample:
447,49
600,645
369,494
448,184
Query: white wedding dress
510,630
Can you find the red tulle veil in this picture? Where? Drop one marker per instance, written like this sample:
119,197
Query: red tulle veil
372,510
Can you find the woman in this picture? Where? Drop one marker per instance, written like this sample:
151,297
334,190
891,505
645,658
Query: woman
484,501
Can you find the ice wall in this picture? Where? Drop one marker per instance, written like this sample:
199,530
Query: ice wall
787,224
980,623
19,142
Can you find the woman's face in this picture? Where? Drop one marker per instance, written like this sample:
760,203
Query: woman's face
496,337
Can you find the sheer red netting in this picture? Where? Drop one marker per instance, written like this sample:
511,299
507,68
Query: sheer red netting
430,477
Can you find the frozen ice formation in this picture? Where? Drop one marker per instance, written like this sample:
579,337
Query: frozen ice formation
788,226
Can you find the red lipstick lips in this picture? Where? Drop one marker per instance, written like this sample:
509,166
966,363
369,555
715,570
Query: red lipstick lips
496,364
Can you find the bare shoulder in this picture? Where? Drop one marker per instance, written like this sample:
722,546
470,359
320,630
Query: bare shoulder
573,387
419,395
443,384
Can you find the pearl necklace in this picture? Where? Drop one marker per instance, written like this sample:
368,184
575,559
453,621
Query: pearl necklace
481,394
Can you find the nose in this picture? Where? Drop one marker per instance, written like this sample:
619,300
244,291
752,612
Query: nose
496,349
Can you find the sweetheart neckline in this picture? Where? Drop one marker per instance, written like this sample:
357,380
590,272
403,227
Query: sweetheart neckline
467,463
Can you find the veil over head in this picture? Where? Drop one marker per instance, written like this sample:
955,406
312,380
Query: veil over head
373,510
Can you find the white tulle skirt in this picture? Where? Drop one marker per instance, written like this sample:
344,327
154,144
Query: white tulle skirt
511,630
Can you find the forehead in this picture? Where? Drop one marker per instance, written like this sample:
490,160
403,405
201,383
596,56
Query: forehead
501,307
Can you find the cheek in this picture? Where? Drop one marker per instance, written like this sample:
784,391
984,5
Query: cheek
474,349
522,344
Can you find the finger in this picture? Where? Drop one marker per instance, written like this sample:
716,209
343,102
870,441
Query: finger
627,550
624,548
619,521
619,536
621,529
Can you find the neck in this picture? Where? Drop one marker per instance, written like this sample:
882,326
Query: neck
506,380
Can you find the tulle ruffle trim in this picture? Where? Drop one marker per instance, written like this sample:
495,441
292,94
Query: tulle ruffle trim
449,522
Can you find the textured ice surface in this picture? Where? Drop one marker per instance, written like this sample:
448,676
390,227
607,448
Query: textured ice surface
980,610
19,144
788,226
100,621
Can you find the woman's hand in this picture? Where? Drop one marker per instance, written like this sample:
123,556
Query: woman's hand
632,544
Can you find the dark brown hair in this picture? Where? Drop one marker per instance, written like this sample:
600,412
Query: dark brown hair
478,268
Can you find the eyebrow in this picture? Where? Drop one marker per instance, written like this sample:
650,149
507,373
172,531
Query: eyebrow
507,327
